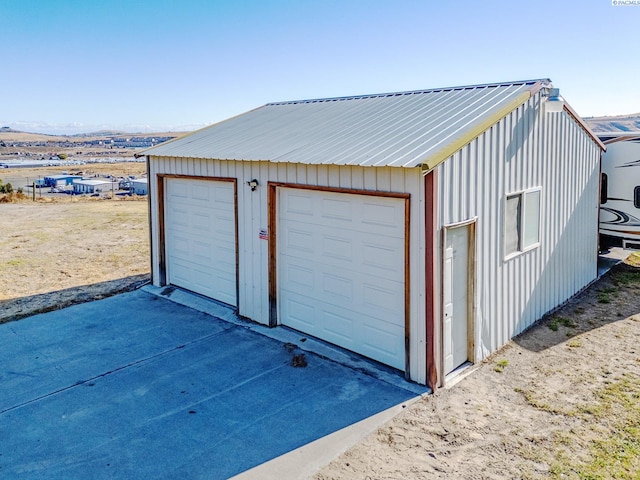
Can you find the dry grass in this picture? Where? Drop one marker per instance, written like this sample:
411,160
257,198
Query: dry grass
59,245
633,259
12,197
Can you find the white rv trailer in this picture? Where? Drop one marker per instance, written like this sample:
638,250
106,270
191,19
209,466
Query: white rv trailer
620,190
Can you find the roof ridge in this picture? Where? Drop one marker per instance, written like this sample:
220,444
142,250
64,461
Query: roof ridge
410,92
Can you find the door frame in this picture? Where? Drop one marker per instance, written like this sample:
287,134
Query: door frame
471,290
162,244
272,214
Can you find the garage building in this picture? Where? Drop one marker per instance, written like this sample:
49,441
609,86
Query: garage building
421,229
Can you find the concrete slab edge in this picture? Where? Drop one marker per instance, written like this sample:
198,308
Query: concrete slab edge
309,459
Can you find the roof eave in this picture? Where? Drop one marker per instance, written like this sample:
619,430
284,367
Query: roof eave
439,156
436,158
149,151
584,125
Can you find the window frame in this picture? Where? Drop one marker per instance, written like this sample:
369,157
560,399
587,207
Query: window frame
521,248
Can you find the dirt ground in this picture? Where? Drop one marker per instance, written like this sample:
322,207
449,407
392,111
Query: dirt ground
57,252
560,401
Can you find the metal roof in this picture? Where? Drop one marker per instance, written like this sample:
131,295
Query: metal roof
403,129
91,182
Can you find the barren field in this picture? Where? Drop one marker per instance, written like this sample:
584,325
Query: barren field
560,401
57,252
118,169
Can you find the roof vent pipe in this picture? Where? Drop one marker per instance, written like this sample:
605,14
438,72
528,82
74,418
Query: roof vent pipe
554,103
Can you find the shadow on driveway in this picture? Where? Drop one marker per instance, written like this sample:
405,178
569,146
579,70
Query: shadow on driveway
136,386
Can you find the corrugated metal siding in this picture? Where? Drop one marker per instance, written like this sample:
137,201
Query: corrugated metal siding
526,149
400,129
252,217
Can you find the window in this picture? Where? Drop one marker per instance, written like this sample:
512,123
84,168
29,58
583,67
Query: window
522,221
604,187
636,197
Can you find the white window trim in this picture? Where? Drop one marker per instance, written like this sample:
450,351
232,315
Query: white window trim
523,197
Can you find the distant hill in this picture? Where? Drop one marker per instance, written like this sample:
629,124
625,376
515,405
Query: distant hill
7,129
103,133
10,135
617,123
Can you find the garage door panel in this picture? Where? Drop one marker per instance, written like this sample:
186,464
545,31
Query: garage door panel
180,271
200,237
382,258
200,192
337,327
299,277
350,249
383,295
177,215
335,228
225,196
224,222
365,291
337,286
178,189
385,345
382,215
202,252
340,248
199,218
300,314
298,241
337,209
180,247
297,205
338,253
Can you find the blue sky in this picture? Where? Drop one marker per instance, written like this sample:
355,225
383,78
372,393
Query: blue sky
77,65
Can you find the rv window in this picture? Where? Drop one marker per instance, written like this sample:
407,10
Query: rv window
636,197
604,187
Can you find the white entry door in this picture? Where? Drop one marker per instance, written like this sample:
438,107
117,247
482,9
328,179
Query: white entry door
456,297
200,237
341,269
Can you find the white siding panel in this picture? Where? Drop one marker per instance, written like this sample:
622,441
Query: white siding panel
526,149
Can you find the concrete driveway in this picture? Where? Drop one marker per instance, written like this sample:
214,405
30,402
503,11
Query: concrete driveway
138,386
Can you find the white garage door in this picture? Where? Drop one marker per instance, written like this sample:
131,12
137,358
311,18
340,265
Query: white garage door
200,237
341,261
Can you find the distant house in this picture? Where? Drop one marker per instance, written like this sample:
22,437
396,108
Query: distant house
91,186
421,229
139,186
